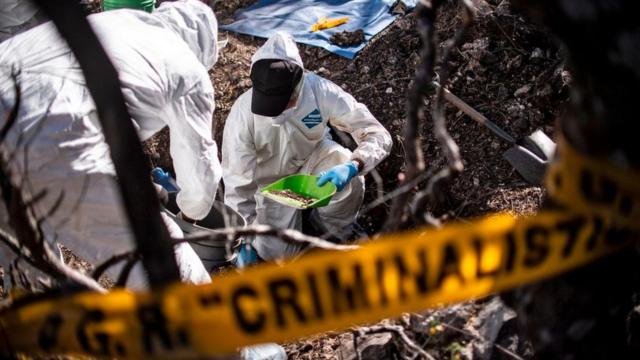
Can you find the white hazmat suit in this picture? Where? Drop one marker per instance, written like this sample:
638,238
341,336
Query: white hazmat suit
17,16
258,150
162,61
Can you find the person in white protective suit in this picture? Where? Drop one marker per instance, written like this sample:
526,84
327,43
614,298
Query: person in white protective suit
281,127
17,16
162,61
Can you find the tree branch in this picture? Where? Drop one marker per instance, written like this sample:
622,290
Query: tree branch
289,235
426,15
24,222
449,146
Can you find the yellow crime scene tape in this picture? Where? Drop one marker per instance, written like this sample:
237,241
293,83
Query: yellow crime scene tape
329,290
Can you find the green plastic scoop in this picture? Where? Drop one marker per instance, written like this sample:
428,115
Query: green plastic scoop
145,5
299,191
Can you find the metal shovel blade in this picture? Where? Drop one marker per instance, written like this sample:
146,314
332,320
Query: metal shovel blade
529,155
540,144
526,163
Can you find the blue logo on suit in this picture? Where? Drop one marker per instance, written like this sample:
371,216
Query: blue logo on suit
314,118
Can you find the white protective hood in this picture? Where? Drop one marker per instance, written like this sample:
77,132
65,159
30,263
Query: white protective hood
196,24
279,46
256,153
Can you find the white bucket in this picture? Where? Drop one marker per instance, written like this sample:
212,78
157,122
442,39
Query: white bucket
212,253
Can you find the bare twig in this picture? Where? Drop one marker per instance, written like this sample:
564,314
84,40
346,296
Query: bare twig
29,234
115,259
288,235
375,174
126,270
356,335
12,117
404,188
40,256
513,43
426,15
502,349
13,273
19,277
449,146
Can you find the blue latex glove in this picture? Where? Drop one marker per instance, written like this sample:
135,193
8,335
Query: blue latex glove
339,175
164,179
247,255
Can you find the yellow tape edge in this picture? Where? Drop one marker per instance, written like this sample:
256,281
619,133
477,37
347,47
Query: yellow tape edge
593,185
322,291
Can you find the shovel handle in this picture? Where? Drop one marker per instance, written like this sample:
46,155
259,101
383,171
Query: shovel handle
475,115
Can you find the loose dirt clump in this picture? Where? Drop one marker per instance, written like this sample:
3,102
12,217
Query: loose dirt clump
348,38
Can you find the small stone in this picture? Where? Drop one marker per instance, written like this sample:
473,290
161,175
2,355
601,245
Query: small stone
323,72
414,59
545,91
389,90
503,8
476,181
566,78
374,347
537,54
522,91
515,63
487,325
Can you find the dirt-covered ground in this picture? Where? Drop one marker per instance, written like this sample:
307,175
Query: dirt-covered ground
506,68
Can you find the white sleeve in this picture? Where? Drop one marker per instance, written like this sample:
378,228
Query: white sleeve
193,150
348,115
239,160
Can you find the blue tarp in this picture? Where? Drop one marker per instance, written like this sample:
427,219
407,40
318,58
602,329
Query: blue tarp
296,17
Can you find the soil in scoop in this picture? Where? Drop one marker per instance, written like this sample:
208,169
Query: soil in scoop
293,196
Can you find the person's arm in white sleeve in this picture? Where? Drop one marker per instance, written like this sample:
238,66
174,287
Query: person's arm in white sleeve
348,115
193,150
239,160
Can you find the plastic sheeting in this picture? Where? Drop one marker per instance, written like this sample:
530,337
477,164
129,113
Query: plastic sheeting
266,17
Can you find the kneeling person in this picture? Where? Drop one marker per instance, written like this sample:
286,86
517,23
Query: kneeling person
281,127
